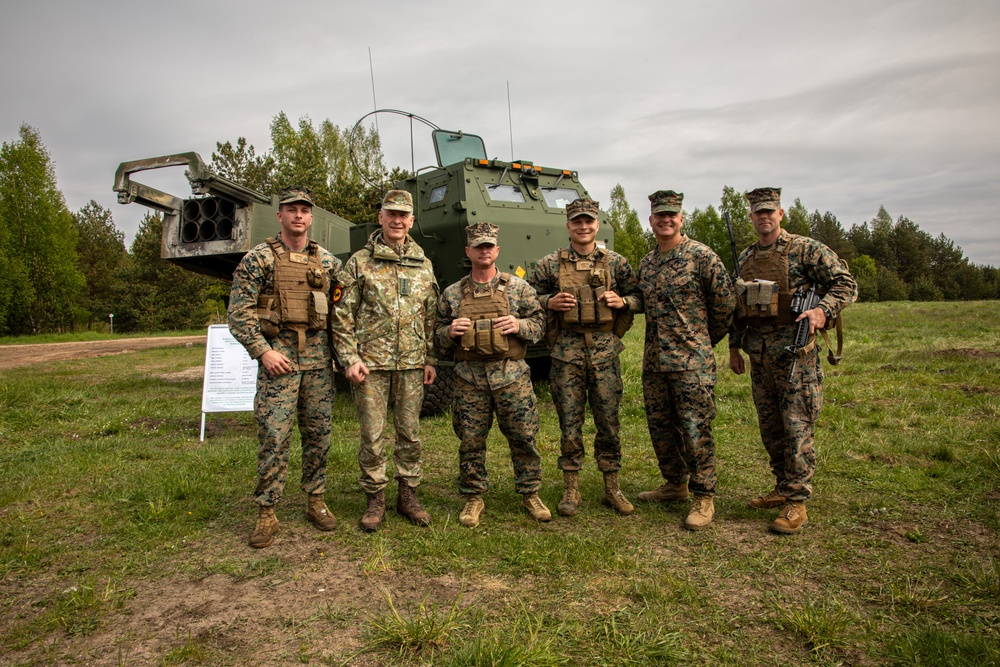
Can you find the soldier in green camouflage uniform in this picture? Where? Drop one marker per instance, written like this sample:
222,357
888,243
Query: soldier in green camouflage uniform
787,410
383,333
294,377
585,358
688,300
498,381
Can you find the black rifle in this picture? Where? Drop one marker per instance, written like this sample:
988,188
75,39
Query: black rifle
732,246
802,301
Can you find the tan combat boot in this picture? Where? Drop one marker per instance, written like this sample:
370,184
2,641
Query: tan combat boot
666,492
536,508
318,514
770,501
267,526
474,506
570,503
408,505
613,496
791,519
702,511
376,510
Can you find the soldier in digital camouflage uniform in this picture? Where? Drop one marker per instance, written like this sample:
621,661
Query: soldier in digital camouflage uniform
787,408
688,300
488,319
383,331
585,361
279,311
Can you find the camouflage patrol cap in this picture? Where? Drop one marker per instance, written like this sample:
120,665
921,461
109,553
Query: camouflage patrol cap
397,200
583,206
666,200
293,194
764,199
481,233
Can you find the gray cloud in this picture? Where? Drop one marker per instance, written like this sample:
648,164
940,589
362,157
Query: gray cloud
847,106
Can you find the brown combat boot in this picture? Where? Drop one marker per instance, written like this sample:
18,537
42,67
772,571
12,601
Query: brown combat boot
613,496
666,492
318,514
702,511
791,519
474,506
536,508
267,526
375,512
766,502
408,505
570,503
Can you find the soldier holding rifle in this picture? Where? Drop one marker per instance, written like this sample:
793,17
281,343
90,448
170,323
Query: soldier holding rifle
788,402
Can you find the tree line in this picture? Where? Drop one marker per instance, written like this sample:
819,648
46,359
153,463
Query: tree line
66,271
892,260
70,271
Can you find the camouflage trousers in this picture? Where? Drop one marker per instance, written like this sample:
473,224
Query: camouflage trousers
308,395
403,391
517,416
572,387
787,414
680,407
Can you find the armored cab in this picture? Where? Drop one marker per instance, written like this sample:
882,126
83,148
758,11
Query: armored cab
527,202
210,231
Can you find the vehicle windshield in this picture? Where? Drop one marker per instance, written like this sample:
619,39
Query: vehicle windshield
559,197
454,147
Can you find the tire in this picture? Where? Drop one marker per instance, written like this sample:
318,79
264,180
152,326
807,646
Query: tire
437,397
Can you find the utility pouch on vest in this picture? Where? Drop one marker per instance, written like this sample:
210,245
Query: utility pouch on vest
266,317
604,312
623,322
319,310
587,305
756,299
572,316
489,341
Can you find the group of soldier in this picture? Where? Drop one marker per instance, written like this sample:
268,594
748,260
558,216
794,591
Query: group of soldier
380,318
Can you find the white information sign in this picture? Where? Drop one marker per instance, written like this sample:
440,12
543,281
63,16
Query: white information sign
230,375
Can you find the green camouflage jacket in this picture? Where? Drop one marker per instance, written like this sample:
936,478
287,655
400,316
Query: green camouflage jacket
492,374
385,315
255,276
809,261
570,345
688,300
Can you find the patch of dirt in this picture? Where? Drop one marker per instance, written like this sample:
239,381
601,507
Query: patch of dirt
188,375
968,352
972,389
17,356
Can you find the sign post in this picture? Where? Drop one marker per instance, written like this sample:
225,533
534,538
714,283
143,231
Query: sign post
230,375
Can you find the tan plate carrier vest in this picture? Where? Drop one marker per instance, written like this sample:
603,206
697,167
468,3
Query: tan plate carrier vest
587,280
481,341
769,302
300,302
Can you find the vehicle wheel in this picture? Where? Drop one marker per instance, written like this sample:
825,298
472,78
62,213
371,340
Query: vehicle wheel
437,397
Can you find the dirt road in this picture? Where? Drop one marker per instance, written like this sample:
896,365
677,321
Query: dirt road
15,356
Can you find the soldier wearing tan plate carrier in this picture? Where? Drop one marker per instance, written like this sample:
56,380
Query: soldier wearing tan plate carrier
787,382
279,311
489,318
590,295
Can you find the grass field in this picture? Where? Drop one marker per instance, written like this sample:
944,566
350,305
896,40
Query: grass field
123,538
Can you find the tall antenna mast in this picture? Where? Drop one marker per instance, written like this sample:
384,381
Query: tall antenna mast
510,125
371,69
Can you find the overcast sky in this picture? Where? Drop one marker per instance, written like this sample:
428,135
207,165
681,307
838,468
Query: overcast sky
845,105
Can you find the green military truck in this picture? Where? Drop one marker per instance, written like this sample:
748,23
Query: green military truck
210,231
